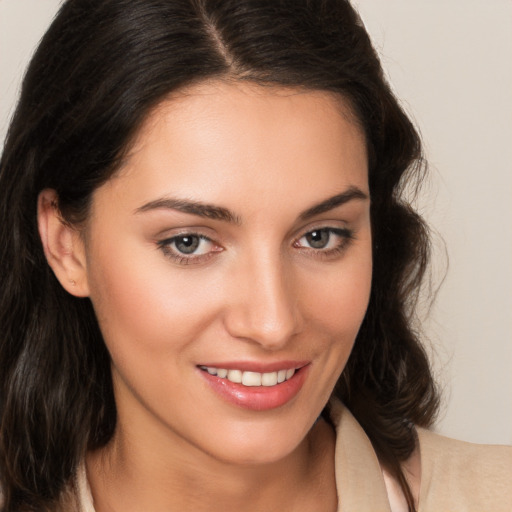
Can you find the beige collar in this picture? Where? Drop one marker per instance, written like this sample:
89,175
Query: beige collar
359,479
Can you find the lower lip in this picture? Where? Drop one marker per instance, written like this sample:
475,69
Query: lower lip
258,398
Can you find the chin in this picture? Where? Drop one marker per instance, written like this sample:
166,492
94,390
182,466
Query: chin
258,443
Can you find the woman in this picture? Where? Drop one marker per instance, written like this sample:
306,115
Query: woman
206,264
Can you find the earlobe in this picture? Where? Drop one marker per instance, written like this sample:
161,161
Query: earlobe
63,247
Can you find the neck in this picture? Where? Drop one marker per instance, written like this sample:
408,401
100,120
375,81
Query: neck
148,475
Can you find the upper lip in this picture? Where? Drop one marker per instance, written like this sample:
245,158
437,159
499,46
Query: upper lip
256,366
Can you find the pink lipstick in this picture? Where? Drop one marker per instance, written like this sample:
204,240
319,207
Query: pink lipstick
256,386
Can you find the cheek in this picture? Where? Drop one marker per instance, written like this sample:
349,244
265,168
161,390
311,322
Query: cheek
336,306
335,302
339,300
142,305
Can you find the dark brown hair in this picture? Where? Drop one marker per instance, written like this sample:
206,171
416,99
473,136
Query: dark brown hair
99,70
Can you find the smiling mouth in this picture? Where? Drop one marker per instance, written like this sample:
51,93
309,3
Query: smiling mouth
251,379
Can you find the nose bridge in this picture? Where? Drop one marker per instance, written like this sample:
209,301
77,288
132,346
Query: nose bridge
265,308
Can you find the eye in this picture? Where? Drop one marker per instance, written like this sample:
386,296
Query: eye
324,238
189,244
318,239
188,248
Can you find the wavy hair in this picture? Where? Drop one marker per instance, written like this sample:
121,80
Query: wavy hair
102,66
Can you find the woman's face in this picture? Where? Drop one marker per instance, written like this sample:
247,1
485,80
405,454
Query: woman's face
234,244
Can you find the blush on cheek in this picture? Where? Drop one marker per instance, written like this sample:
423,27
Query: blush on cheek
341,302
151,308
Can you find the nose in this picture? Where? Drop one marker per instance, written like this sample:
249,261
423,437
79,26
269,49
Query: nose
263,307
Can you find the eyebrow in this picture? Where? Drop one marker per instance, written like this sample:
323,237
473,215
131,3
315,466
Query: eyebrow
352,193
214,212
208,211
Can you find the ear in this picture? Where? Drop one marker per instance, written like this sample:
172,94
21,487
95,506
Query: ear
63,246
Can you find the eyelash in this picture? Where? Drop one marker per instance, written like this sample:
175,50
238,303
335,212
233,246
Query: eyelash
182,258
346,237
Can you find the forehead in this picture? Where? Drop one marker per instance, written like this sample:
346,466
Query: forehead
255,141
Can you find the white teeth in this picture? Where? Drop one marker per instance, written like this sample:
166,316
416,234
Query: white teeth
269,379
251,379
222,373
235,376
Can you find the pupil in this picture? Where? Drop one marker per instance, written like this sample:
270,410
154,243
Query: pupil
187,244
318,239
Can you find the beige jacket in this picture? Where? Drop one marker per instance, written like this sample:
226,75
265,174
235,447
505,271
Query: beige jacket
455,476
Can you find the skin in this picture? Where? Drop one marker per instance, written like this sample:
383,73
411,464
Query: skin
256,291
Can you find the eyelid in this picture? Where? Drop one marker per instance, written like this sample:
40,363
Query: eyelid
198,230
339,231
165,245
332,224
346,237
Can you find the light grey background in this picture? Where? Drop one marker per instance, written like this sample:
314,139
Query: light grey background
450,62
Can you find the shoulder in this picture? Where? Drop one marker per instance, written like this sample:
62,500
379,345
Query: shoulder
464,476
